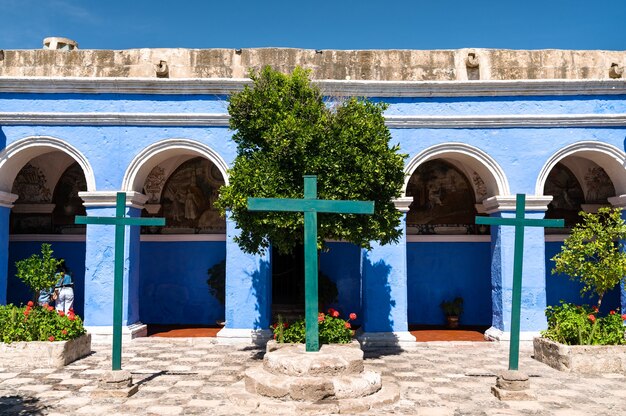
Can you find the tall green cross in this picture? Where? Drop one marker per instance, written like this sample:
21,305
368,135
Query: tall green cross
519,222
310,205
120,221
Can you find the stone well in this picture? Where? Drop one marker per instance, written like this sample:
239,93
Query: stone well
334,376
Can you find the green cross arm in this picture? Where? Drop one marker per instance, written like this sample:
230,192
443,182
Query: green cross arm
310,205
526,222
80,219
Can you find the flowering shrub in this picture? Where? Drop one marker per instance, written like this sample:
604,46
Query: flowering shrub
332,329
38,323
581,325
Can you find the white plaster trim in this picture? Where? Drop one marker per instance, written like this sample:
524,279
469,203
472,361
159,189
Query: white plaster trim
495,334
80,238
108,199
402,204
7,199
362,88
104,334
17,154
501,203
114,119
33,208
234,336
618,201
505,121
419,238
555,238
148,158
391,121
479,161
172,238
607,156
385,339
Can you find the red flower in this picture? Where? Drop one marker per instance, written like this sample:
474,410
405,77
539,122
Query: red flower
64,332
592,317
61,313
285,325
71,317
275,326
26,312
30,304
335,314
624,317
50,338
612,313
348,325
331,311
274,336
50,308
353,316
320,318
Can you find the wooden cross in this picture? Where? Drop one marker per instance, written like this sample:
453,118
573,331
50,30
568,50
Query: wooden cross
310,206
120,221
519,222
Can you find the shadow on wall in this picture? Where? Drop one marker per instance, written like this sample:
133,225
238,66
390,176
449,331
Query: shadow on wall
18,405
3,139
376,295
262,292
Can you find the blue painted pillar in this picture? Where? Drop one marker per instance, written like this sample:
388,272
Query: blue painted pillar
100,256
6,203
384,290
620,202
533,305
248,292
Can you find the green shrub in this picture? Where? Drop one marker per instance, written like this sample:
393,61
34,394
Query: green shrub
581,325
38,272
332,329
38,323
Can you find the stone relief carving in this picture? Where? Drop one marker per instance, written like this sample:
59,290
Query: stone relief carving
67,202
599,186
30,185
154,184
479,186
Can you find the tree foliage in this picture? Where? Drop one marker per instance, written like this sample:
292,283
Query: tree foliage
283,130
593,253
38,271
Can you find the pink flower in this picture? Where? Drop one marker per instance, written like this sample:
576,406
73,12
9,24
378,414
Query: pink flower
592,317
348,325
335,314
353,316
320,318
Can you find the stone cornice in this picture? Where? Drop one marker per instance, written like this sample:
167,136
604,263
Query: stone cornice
402,204
7,199
33,208
221,120
618,201
361,88
502,203
104,199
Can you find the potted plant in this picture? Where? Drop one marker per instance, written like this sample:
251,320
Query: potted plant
453,310
579,338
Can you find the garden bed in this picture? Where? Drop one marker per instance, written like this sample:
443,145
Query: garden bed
584,359
44,354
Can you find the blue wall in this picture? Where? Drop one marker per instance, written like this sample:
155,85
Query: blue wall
443,271
561,287
341,263
72,252
173,285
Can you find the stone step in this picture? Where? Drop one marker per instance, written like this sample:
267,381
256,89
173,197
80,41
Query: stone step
330,360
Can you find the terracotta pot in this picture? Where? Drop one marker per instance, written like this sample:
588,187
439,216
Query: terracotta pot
453,321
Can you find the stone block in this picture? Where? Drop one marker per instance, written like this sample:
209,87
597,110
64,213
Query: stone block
293,360
505,395
364,384
310,389
513,381
37,354
582,359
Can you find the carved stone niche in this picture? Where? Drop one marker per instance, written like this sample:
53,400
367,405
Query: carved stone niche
162,70
472,63
616,71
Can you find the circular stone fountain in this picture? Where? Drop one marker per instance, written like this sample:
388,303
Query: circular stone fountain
333,379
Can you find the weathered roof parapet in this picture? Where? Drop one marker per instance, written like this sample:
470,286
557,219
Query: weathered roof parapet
373,65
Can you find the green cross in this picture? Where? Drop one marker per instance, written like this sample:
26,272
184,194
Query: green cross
519,222
310,206
120,221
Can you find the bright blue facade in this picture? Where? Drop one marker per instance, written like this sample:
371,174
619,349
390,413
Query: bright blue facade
389,287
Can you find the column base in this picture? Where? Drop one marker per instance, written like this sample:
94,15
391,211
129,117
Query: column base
244,336
495,334
370,340
104,334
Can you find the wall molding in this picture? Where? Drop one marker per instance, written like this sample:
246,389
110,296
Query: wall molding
79,238
465,238
362,88
175,238
392,121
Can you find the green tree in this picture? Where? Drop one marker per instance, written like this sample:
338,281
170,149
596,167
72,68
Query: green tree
38,271
283,130
593,254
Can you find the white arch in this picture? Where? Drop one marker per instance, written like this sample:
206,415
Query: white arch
607,156
141,166
483,164
17,154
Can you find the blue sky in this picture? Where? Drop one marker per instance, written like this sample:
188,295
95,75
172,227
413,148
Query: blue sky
319,24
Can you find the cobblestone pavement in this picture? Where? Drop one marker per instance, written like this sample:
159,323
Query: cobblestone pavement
195,376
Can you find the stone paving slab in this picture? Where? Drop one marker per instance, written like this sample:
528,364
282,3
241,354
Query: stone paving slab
435,379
